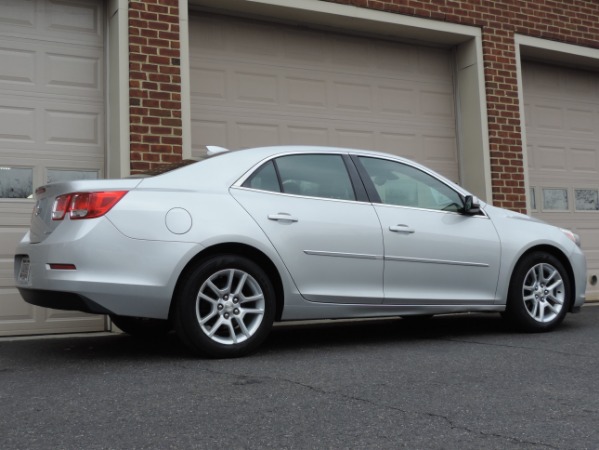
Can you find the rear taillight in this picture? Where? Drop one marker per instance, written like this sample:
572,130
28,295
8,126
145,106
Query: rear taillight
85,205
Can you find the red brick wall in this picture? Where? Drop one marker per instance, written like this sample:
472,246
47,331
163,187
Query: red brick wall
570,21
155,76
154,83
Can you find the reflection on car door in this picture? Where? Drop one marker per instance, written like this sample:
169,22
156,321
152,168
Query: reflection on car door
332,246
434,257
433,254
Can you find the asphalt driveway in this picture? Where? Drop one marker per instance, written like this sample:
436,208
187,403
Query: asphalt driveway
454,382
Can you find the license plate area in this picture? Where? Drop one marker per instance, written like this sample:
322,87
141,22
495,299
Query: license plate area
24,270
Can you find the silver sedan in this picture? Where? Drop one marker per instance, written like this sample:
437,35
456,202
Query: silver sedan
220,249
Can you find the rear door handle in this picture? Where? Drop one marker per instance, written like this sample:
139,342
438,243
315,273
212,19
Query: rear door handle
282,217
402,229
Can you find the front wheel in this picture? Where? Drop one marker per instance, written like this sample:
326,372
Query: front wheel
539,294
225,307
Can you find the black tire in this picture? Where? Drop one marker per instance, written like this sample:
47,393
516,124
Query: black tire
141,326
235,311
539,295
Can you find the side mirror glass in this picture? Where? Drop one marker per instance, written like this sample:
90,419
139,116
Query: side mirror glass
471,205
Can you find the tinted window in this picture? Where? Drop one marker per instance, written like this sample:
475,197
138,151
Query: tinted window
315,176
403,185
265,178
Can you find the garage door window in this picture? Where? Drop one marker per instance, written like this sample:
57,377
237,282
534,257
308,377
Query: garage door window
555,199
16,182
587,199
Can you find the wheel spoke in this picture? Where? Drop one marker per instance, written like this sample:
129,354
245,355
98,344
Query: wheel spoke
555,285
554,308
243,328
230,279
216,326
214,287
536,273
535,308
556,299
554,272
208,317
232,333
241,284
207,298
541,316
253,311
253,298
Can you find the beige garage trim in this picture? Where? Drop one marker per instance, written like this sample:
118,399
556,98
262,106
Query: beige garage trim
51,127
562,115
258,83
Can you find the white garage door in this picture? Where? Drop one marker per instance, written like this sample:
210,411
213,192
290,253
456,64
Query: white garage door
51,128
256,83
562,131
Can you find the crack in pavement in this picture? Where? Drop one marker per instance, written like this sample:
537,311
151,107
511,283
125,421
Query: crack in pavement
452,425
523,347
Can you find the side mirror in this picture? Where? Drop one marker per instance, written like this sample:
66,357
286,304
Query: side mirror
471,205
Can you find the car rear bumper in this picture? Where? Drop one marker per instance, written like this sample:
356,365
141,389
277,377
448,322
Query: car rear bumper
106,272
62,300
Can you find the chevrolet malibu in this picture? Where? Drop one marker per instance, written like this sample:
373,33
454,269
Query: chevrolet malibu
221,249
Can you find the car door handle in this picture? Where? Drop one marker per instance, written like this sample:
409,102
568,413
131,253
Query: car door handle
402,229
282,217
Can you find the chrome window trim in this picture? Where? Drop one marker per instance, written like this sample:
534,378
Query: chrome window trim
307,197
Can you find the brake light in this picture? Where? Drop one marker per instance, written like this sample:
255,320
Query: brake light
85,205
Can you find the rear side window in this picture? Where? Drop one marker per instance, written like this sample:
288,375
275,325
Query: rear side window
265,179
324,176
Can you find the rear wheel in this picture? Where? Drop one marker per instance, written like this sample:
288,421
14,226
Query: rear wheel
225,307
539,294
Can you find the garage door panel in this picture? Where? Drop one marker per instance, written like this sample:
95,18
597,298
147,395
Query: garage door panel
74,16
15,310
79,19
81,129
51,126
585,160
257,134
18,65
306,92
35,69
354,138
72,71
306,135
17,123
562,130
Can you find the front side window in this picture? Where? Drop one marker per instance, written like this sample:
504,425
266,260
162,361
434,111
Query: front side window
322,176
402,185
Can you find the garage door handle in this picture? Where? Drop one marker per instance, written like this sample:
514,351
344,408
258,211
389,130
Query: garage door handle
282,217
402,229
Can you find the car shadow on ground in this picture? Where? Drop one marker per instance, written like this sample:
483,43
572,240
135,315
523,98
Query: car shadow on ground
284,338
